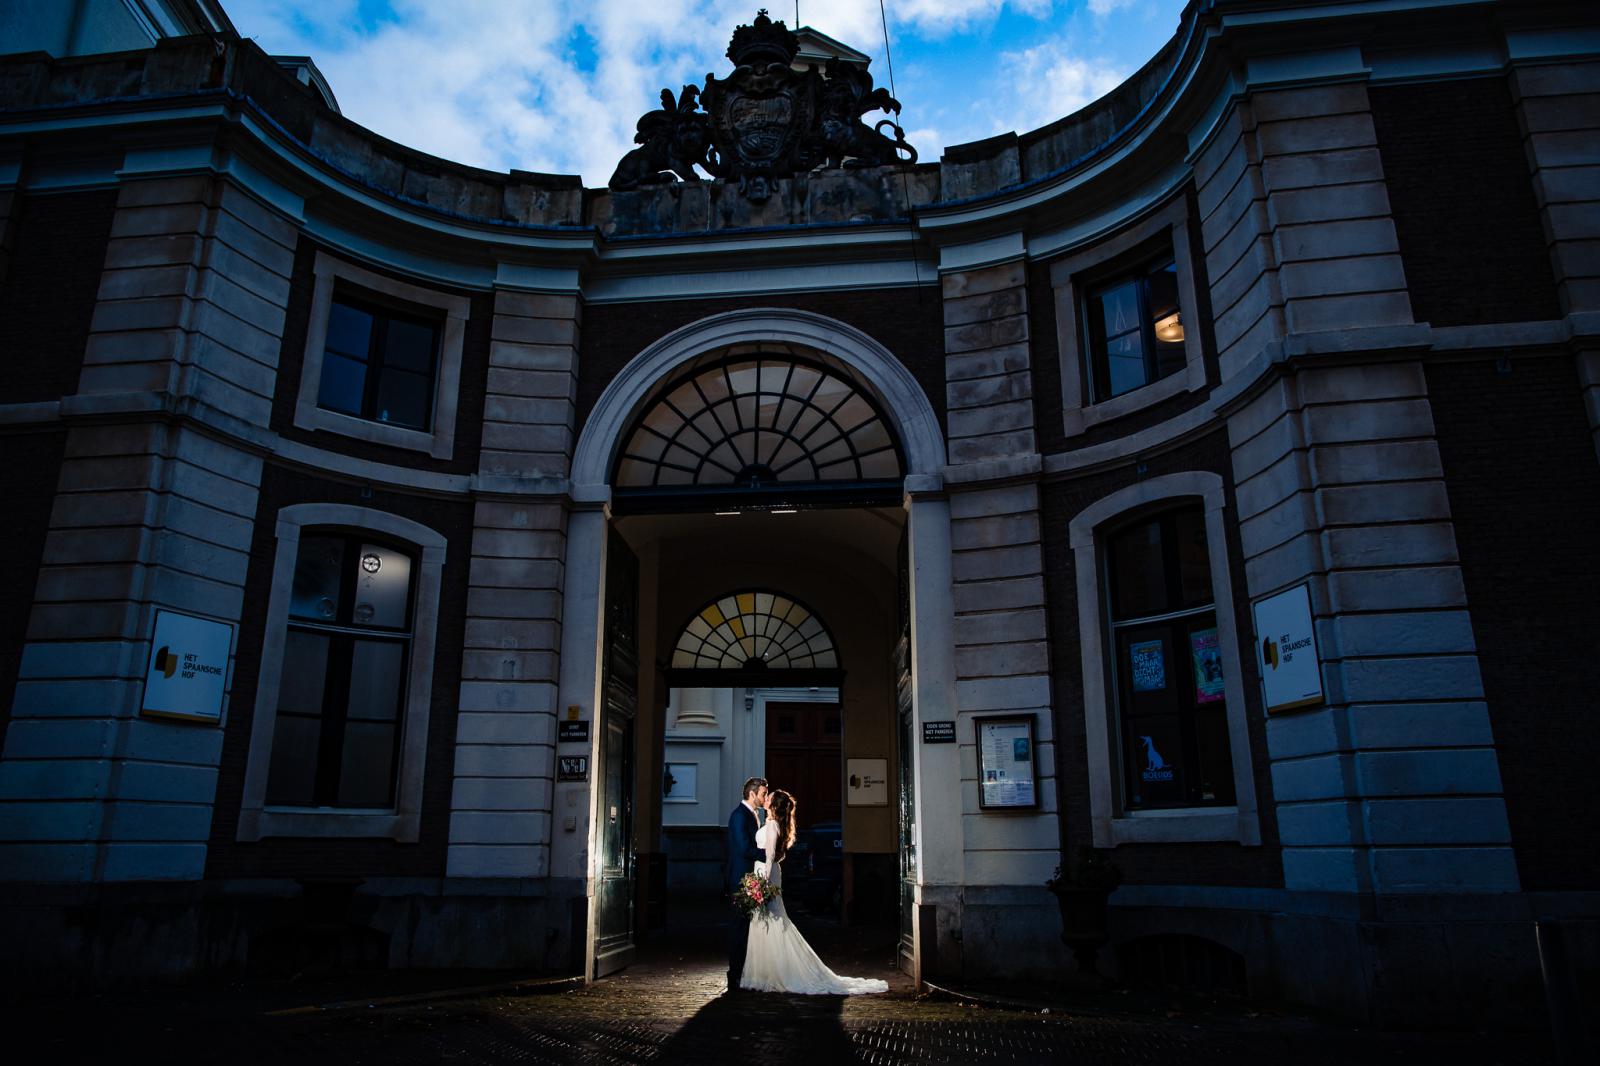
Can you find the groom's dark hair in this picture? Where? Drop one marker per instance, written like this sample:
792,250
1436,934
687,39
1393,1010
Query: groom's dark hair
753,784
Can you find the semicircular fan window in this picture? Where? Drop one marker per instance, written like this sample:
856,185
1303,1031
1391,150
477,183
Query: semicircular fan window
754,630
759,416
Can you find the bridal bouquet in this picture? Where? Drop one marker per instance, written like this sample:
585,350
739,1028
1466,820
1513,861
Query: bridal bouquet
753,895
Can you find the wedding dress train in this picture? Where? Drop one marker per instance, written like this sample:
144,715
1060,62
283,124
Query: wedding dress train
778,958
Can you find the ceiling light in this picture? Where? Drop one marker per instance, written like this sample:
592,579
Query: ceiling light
1170,328
790,510
724,512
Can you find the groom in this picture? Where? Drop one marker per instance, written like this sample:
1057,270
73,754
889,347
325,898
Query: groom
742,855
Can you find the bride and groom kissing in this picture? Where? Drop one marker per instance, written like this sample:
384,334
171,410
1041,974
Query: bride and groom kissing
766,953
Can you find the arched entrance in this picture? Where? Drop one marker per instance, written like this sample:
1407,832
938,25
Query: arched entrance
764,449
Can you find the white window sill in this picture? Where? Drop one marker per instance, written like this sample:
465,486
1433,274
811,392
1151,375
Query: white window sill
1079,419
320,418
1180,826
327,822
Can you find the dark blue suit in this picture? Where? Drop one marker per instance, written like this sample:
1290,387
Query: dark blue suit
742,855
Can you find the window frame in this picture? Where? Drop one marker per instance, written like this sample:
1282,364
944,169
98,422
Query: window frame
437,441
343,633
1076,276
1111,821
402,822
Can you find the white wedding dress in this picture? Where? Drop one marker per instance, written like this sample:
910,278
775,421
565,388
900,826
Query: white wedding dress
778,958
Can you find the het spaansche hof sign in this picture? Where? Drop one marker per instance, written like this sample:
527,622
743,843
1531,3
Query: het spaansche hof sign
765,121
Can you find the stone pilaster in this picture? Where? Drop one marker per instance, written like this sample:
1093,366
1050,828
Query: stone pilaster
989,386
500,818
148,514
1001,662
1559,108
1393,785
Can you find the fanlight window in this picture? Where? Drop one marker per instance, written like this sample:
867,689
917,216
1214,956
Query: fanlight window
755,630
760,416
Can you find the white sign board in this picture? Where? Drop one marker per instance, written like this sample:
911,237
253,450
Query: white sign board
868,783
1286,650
188,671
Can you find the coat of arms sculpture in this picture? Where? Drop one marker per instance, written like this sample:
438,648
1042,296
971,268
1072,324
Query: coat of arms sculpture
765,121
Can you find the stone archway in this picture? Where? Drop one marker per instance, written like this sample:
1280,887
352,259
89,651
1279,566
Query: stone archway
575,850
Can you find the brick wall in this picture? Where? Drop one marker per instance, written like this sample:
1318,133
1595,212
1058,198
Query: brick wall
906,321
1525,491
470,397
342,857
57,245
1207,863
1464,209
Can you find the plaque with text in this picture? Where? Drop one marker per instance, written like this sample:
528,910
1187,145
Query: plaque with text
187,674
572,731
1286,650
938,732
572,768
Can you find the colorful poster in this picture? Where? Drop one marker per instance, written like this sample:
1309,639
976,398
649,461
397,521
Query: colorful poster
1208,686
1149,666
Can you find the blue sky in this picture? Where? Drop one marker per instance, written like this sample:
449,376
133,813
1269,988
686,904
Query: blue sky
556,85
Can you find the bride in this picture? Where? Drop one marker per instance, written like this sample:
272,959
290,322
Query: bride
778,958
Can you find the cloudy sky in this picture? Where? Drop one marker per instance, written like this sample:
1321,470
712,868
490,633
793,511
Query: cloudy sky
556,85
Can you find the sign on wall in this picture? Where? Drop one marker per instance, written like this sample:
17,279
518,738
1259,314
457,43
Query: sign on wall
1007,768
1286,650
679,782
187,676
938,732
867,783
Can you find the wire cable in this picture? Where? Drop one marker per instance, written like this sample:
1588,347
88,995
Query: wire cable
905,184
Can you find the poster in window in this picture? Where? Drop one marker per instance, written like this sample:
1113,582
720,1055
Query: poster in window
1203,645
1006,766
1149,665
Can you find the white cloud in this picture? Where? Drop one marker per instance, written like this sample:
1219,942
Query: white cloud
1050,81
1106,7
495,83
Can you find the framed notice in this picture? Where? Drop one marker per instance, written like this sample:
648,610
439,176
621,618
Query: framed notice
187,675
1286,650
1007,762
866,783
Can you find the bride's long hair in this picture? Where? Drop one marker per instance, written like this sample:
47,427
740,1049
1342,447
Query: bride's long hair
781,806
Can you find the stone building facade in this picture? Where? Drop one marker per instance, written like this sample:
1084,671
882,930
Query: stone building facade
1377,226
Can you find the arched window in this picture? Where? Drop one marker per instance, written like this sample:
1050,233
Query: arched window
342,687
339,732
1171,693
755,630
762,421
1165,730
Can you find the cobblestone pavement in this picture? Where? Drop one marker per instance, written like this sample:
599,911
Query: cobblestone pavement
667,1009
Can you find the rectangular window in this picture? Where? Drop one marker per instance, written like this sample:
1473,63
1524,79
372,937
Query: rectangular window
1135,330
1171,697
340,694
378,363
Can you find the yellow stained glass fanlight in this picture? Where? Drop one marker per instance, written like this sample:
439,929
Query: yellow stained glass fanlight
754,629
